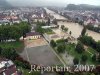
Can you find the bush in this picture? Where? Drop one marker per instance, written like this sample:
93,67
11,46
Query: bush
53,43
94,57
89,41
79,48
9,53
22,63
62,41
84,58
61,48
76,61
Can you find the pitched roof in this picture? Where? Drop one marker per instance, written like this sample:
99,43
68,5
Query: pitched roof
7,67
32,34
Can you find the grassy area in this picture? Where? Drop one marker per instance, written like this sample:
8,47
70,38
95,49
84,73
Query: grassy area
91,50
70,48
26,72
49,31
18,45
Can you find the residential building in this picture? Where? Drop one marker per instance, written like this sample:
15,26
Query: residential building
33,35
7,67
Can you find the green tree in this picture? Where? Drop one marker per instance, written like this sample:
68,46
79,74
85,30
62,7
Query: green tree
89,41
81,22
48,21
53,43
39,29
61,48
65,29
76,61
25,28
62,27
70,32
61,41
84,58
55,22
22,64
83,31
15,31
0,50
94,57
9,52
98,46
79,47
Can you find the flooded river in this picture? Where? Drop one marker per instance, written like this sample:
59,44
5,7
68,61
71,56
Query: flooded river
73,27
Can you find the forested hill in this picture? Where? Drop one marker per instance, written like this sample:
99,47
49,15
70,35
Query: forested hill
82,7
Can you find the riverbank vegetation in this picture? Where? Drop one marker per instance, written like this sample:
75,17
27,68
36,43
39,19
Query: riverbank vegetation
91,27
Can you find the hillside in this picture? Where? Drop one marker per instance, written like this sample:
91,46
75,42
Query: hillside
82,7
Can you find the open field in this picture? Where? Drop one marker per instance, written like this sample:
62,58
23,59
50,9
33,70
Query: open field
34,43
41,55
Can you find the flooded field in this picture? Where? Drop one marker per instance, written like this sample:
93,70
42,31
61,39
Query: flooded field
76,30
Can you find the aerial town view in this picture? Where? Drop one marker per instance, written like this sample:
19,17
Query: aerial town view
49,37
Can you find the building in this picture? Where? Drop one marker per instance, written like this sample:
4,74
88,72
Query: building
33,35
7,67
51,26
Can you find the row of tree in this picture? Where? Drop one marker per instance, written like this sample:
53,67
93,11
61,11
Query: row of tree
89,41
15,31
91,27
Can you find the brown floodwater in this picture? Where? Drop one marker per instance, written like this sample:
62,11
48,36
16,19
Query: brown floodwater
73,27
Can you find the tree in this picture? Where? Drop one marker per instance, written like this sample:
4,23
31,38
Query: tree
61,48
70,32
76,61
81,22
76,20
48,21
53,43
25,28
55,22
98,46
83,31
61,41
39,29
9,52
94,57
62,27
65,29
0,50
15,31
79,47
84,58
88,40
